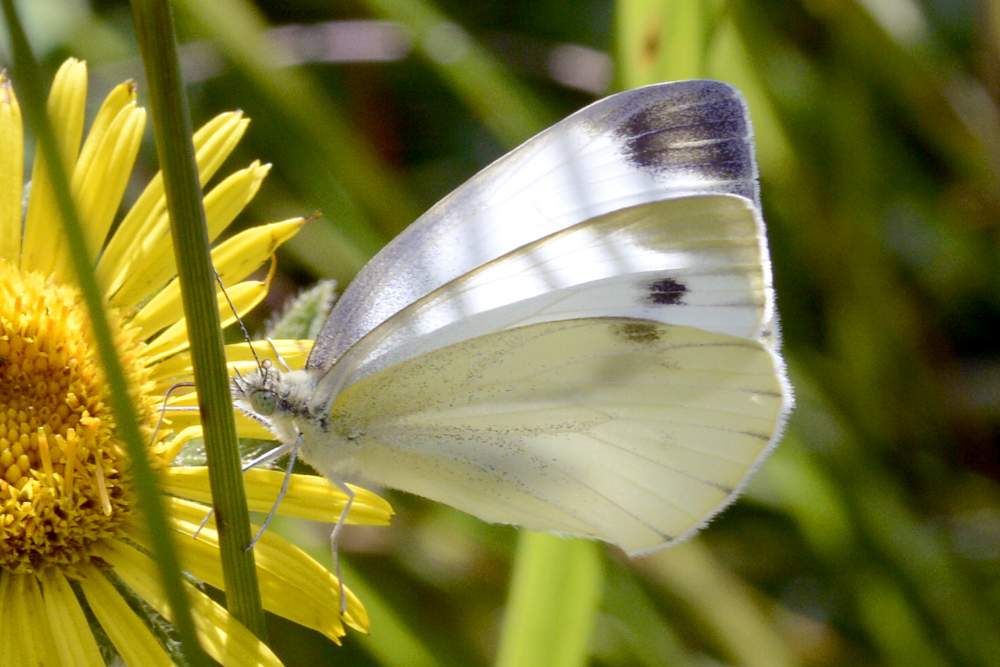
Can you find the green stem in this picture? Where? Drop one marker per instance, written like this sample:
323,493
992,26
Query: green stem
146,487
172,129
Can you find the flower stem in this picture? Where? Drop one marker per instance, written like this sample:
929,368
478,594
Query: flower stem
172,128
147,490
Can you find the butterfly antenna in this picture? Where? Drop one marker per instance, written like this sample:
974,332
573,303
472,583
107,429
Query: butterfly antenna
239,320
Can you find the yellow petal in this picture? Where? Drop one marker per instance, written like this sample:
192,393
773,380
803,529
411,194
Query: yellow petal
132,639
74,643
292,584
223,637
245,427
27,631
174,338
155,252
120,97
99,188
44,248
244,253
213,143
169,450
251,428
11,172
234,260
231,196
239,357
309,496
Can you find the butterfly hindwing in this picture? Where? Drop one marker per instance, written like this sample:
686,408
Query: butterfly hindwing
630,431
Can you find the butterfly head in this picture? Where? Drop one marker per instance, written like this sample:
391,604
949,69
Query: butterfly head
259,393
271,397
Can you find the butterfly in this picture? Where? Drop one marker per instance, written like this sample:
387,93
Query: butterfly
581,339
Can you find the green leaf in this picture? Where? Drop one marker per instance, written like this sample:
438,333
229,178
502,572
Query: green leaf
554,595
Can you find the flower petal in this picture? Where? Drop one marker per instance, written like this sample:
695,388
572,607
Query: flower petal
239,356
251,428
74,643
26,631
44,248
213,143
231,196
11,172
168,450
245,427
174,339
224,638
292,584
309,496
183,418
130,635
99,187
155,251
233,259
241,255
120,97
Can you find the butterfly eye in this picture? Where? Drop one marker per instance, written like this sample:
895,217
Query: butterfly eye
264,402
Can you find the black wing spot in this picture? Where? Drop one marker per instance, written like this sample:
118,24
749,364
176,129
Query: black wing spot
666,292
639,332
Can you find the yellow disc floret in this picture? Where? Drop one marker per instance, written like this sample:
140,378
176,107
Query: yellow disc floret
63,474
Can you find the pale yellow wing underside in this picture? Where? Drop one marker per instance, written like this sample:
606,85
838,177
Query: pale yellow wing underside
629,431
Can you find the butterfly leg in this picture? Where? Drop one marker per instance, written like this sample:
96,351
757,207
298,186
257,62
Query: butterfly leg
163,408
292,456
269,455
335,539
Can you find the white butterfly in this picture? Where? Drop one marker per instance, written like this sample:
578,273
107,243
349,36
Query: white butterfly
581,339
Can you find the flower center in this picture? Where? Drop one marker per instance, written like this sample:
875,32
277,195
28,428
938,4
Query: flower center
63,483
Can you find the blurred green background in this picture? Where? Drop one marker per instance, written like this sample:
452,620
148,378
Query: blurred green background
872,535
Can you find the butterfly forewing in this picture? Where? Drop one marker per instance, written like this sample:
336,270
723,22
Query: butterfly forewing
635,147
696,261
630,431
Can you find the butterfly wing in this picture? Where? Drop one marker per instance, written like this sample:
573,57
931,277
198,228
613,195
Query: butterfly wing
699,261
625,430
581,339
642,145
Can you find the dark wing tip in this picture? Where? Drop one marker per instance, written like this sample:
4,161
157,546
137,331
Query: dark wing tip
698,131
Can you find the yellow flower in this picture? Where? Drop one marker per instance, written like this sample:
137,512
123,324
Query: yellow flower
70,539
